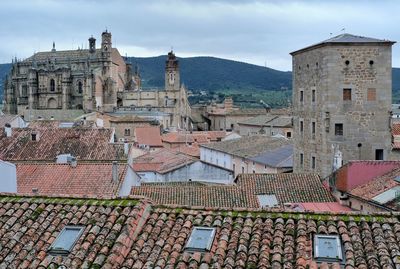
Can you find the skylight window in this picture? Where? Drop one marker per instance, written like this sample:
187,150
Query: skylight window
201,239
66,240
267,200
327,247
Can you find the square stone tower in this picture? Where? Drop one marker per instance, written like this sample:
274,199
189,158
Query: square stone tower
342,94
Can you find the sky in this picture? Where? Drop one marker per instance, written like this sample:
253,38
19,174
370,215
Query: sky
257,32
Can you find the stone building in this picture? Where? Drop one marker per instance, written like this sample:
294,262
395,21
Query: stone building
173,99
69,83
83,79
342,89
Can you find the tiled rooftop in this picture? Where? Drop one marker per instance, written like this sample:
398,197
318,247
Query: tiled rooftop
88,179
83,143
128,233
248,146
279,157
396,129
149,135
199,137
161,161
269,120
288,188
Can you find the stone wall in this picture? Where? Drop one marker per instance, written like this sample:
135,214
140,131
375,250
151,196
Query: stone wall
322,74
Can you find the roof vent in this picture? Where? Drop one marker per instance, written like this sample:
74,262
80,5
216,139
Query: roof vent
8,130
35,190
72,161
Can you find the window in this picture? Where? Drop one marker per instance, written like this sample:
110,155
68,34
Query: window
301,159
313,162
379,154
233,167
242,170
33,137
313,96
289,134
52,85
267,200
313,129
80,87
24,91
346,94
301,96
127,132
339,129
66,240
327,247
371,94
201,239
301,127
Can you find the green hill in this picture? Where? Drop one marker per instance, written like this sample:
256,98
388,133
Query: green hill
215,74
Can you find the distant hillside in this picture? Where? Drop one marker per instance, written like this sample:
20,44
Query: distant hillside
213,74
210,73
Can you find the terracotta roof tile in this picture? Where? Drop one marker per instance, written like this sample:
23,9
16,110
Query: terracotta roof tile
161,161
149,135
88,179
396,129
127,233
199,137
288,188
83,143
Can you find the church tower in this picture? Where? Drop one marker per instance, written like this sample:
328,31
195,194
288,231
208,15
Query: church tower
172,78
106,43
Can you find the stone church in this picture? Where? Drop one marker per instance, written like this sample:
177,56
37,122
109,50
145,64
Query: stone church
74,82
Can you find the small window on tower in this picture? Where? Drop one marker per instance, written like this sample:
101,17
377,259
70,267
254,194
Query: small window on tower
313,96
52,85
301,127
127,132
339,129
301,159
313,162
80,87
346,94
301,96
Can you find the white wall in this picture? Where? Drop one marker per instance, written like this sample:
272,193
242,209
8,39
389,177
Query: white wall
131,179
197,171
216,158
8,177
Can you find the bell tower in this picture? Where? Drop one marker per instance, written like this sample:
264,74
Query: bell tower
92,44
172,77
106,43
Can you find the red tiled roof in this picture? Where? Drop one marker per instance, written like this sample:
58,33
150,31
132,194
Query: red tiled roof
396,129
325,207
149,135
127,233
377,185
288,188
199,137
161,161
89,179
191,150
83,143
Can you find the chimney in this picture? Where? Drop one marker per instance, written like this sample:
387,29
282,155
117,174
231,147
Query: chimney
84,121
8,130
115,171
126,147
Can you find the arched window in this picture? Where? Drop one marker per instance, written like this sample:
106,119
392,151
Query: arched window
52,85
80,87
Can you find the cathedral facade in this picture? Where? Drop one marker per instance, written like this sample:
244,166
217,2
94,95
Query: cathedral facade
86,80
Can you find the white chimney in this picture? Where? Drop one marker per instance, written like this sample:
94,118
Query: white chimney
73,162
126,148
114,171
8,130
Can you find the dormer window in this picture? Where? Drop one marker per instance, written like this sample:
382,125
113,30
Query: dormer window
34,137
328,248
66,240
201,239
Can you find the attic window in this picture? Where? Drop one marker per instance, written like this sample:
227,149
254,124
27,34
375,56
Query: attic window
33,137
201,239
267,200
327,248
66,240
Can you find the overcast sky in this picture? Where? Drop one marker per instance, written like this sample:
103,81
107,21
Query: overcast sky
258,32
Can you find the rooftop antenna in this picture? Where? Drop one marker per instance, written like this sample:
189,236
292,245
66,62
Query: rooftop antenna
172,48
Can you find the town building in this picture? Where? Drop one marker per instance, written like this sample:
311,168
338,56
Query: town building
67,84
148,138
257,154
168,165
369,186
93,179
342,89
45,142
267,124
177,139
249,191
125,126
75,232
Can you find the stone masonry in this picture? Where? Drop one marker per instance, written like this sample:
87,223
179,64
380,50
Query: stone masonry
341,102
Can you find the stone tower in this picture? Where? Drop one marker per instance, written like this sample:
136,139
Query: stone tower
106,43
342,94
172,77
